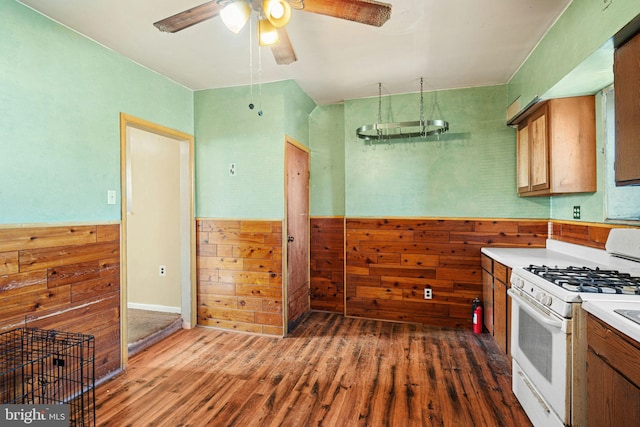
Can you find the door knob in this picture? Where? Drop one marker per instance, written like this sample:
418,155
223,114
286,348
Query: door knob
289,238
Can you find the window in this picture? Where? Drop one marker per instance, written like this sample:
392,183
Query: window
621,203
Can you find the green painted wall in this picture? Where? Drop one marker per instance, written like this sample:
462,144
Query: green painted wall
591,204
297,108
468,172
60,99
327,131
581,30
227,131
61,95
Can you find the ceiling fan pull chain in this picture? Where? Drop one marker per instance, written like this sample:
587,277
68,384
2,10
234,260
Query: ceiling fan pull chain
423,124
251,106
379,130
260,80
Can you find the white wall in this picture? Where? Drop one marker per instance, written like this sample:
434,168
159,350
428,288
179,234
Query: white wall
153,220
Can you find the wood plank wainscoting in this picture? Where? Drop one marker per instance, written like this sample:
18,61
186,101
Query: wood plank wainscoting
389,262
327,264
65,278
239,269
582,233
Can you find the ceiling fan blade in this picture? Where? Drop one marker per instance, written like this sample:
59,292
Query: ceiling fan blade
189,17
283,51
367,12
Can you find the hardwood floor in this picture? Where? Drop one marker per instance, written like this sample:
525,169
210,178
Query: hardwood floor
332,371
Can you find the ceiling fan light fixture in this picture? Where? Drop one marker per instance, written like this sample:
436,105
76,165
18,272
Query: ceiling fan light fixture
234,14
278,12
267,33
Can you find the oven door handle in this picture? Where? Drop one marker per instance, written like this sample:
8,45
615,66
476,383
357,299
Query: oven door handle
534,311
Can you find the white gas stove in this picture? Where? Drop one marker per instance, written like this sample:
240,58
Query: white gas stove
548,337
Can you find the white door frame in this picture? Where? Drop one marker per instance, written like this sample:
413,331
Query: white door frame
188,246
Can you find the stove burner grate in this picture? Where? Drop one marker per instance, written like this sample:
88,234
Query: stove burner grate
585,279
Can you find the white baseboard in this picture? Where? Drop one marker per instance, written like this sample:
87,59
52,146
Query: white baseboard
152,307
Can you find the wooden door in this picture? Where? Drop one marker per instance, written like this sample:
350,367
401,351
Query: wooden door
297,226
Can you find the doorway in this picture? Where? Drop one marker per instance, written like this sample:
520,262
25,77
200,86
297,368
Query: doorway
298,302
158,229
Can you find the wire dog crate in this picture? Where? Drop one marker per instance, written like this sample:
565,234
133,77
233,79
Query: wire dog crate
45,367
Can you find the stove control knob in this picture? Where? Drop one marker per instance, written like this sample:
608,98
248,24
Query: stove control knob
518,282
547,300
539,296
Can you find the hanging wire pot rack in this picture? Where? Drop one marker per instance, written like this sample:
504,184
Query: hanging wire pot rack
421,128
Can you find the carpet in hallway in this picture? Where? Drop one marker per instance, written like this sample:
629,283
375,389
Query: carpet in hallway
146,327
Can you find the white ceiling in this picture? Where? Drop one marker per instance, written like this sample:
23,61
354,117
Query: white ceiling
452,44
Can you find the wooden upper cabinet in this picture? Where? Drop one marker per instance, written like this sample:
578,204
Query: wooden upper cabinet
556,147
539,151
523,158
627,89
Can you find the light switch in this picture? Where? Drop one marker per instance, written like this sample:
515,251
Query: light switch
111,197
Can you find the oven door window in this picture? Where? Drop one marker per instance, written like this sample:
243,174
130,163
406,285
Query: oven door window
536,343
541,346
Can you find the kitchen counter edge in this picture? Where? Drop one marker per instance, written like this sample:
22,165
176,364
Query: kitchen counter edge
604,310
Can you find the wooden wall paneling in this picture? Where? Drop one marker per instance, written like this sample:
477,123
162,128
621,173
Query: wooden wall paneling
582,233
327,264
390,261
239,271
36,259
108,233
45,237
9,262
65,278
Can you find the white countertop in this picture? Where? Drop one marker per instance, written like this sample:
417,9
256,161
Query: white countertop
603,310
559,253
565,254
523,257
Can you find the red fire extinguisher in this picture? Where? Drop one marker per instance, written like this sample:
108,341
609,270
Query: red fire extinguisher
477,316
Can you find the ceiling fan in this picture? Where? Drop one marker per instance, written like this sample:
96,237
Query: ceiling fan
274,15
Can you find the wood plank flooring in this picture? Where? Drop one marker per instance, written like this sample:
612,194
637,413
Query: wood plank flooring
332,371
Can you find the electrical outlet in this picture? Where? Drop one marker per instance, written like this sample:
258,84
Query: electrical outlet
232,169
162,270
576,212
427,293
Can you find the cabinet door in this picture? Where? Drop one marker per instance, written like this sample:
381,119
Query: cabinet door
627,87
523,157
487,300
500,313
613,401
539,146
